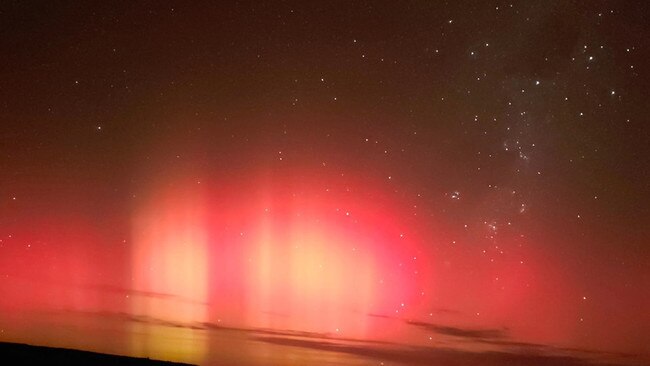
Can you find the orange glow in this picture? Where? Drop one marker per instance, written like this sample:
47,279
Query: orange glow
170,272
323,279
311,263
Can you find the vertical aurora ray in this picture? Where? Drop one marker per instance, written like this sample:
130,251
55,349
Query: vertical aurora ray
268,183
305,262
170,273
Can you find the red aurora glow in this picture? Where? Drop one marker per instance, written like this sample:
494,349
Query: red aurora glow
306,183
310,257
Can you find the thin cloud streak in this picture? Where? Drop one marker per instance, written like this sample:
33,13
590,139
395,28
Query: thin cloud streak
479,334
509,352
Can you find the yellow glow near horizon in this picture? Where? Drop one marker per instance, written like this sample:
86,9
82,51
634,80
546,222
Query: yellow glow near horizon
170,274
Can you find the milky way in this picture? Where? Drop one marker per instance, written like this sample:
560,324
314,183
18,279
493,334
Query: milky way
343,182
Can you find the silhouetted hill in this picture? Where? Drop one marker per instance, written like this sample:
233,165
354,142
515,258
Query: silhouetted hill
23,354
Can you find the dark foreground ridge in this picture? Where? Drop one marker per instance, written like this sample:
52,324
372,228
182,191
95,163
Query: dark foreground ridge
23,354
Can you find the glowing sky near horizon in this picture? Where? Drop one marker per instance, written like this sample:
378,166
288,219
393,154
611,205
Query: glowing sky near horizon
415,174
312,257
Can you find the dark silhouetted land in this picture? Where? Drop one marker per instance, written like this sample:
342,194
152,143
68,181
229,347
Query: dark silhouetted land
23,354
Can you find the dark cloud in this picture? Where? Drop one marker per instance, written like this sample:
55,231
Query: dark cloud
501,340
481,334
507,352
428,355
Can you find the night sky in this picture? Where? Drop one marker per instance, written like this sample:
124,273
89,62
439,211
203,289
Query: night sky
398,183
